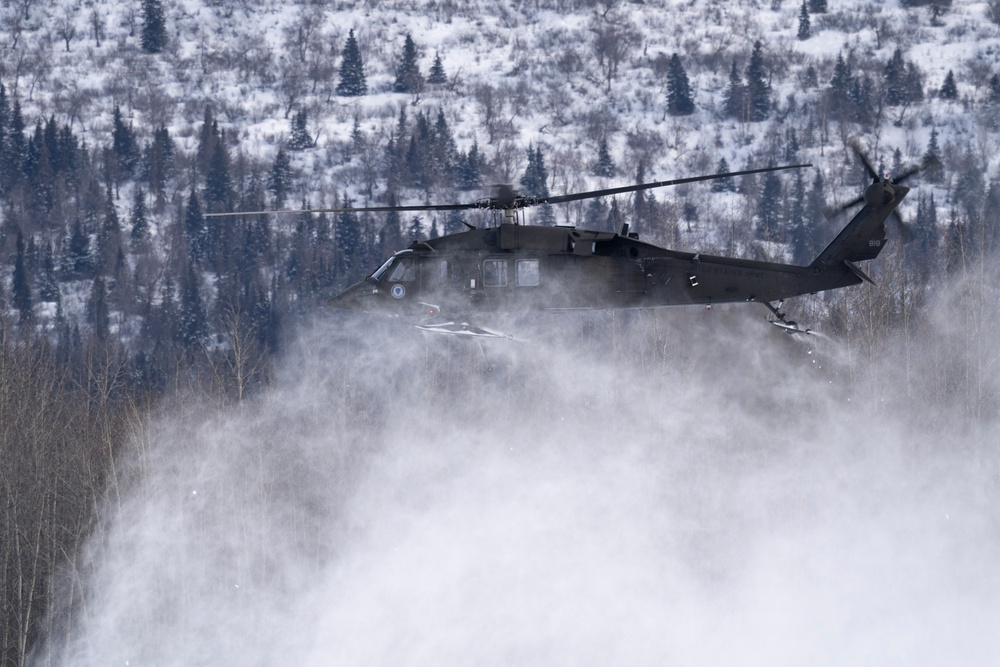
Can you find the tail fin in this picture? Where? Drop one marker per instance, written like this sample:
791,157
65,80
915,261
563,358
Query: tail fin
864,236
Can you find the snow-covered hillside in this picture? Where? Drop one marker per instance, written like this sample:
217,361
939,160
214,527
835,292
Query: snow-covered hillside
560,76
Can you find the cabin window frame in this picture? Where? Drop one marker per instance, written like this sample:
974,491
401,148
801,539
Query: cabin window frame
527,277
496,277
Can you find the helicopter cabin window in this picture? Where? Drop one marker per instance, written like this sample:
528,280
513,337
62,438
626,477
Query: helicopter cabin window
526,274
495,272
405,271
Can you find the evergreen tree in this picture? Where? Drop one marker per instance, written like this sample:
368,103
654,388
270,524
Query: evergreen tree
123,145
933,169
799,236
723,184
903,83
194,228
279,179
604,166
300,139
805,31
21,286
108,236
193,322
140,223
158,164
352,70
861,100
470,168
77,258
437,75
817,6
533,182
154,28
218,189
348,240
15,148
949,90
48,285
98,314
735,99
770,207
408,76
444,154
679,99
758,91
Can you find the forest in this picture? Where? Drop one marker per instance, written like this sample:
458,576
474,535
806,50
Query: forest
122,124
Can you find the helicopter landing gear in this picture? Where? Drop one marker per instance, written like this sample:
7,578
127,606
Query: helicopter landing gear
782,322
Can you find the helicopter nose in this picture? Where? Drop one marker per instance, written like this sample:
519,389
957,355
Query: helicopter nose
359,296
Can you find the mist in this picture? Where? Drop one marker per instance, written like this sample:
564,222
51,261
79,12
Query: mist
676,486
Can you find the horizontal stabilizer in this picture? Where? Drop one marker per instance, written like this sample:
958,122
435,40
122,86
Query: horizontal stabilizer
856,270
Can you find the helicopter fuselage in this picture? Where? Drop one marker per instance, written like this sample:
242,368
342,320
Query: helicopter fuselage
513,268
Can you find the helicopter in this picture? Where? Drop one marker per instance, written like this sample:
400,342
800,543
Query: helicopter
451,283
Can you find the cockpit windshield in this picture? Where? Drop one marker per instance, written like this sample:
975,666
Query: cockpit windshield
397,269
380,271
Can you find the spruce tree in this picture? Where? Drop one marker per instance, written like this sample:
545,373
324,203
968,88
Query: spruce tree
21,286
108,236
725,184
217,183
470,168
736,95
352,70
140,223
895,80
840,83
931,161
77,258
193,322
48,284
348,240
604,166
408,76
280,178
98,315
194,227
123,144
949,90
679,100
154,28
805,30
300,139
770,207
437,75
758,90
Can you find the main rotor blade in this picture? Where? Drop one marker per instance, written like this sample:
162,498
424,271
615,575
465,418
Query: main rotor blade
359,209
559,199
518,202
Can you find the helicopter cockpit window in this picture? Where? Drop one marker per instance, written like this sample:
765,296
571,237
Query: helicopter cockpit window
380,271
494,272
526,274
404,271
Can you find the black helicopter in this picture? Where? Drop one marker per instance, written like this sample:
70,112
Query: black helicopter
451,283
